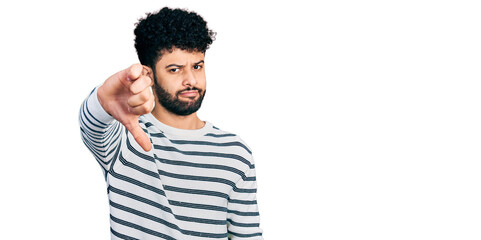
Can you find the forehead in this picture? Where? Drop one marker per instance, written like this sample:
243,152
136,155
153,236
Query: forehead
180,56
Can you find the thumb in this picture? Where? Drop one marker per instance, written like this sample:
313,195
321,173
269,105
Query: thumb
139,135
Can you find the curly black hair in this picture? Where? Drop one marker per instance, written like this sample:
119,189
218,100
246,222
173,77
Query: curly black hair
169,28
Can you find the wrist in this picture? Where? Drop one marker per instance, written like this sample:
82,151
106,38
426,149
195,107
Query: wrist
95,109
101,99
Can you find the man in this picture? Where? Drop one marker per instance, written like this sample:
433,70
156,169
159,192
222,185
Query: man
169,174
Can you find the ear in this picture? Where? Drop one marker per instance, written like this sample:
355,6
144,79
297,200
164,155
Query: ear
147,71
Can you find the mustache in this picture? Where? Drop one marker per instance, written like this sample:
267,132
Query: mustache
190,89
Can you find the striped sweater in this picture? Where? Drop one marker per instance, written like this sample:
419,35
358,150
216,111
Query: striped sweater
193,184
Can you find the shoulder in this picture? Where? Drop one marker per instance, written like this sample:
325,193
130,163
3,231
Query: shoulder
227,138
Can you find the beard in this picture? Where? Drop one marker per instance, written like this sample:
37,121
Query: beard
176,106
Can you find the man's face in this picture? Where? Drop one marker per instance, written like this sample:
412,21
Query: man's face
180,81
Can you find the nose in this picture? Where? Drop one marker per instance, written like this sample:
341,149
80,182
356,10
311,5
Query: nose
189,78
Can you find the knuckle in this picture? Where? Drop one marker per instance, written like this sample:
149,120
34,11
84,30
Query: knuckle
150,106
137,111
145,108
144,96
131,101
135,68
146,81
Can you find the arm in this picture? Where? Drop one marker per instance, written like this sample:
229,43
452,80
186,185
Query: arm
243,213
114,106
99,130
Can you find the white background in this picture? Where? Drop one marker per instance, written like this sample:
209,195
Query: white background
364,116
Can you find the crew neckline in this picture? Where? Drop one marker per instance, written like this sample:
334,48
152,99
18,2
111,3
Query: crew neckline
178,131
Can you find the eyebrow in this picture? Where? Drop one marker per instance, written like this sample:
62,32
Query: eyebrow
174,65
179,66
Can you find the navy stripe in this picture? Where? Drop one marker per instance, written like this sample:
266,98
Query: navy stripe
93,90
90,114
123,236
250,179
157,135
196,178
226,144
94,149
119,141
140,228
96,153
166,223
186,177
243,213
140,199
165,208
84,116
84,111
220,135
208,179
136,182
148,124
138,168
87,111
103,139
205,154
112,129
198,206
87,126
242,224
196,191
134,151
114,157
245,235
242,201
201,165
244,190
99,139
89,134
89,131
203,143
179,176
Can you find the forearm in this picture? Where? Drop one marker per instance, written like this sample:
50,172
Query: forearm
243,214
99,131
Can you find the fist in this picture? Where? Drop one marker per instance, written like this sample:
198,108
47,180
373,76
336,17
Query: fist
125,96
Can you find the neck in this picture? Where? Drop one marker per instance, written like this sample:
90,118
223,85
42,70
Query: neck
189,122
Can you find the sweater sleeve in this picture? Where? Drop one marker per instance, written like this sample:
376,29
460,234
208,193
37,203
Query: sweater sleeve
100,132
243,213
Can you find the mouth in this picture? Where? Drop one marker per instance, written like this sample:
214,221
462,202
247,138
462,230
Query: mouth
189,93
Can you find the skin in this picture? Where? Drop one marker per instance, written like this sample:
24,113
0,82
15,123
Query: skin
127,94
179,71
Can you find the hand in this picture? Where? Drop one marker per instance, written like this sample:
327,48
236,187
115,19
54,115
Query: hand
125,96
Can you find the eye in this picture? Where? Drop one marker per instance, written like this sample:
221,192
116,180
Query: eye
174,70
197,67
